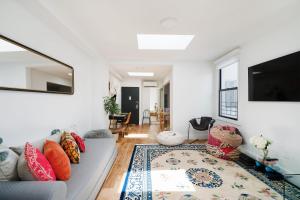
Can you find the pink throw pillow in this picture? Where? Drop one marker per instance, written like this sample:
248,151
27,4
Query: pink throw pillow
37,164
79,141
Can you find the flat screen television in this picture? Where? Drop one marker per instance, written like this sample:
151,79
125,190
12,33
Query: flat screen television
275,80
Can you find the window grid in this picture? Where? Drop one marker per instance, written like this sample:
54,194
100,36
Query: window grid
228,101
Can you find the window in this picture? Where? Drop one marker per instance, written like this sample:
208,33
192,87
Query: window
228,91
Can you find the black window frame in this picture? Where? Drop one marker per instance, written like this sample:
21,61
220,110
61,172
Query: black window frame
227,89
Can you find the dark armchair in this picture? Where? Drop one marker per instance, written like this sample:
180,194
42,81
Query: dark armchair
201,124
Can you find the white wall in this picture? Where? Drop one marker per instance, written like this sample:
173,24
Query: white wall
191,94
99,77
150,96
115,84
145,101
277,121
29,116
154,98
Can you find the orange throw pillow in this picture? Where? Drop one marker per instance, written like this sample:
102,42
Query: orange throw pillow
58,159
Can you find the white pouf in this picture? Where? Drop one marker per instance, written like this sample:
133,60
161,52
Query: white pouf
170,138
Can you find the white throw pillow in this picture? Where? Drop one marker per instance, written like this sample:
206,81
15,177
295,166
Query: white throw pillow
8,164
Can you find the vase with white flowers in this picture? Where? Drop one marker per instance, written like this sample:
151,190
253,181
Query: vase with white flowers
261,143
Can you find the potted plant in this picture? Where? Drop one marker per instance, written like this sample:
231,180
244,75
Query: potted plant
110,105
261,143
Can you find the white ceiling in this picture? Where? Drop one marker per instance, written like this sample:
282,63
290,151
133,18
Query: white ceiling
109,27
160,71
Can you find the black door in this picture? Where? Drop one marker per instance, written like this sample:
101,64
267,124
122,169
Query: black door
130,103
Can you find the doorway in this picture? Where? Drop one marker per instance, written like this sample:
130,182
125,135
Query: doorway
167,106
130,103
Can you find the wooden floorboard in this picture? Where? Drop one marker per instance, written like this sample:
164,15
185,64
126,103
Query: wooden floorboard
113,184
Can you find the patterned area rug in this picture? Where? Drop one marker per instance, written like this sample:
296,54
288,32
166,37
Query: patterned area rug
187,172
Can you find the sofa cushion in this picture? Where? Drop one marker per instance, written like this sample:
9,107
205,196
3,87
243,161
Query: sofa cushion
33,165
33,190
8,164
70,147
38,143
79,142
100,133
58,159
92,167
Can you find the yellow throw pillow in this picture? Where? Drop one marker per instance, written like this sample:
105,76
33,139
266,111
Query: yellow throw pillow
70,146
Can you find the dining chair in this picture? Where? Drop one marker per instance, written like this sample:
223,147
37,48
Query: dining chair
162,120
124,126
147,116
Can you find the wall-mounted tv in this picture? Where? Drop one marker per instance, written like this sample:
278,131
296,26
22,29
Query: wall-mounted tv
275,80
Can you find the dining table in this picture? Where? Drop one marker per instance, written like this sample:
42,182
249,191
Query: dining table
116,119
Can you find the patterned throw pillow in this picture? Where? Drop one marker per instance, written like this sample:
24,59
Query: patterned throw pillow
70,146
58,159
79,141
33,165
8,164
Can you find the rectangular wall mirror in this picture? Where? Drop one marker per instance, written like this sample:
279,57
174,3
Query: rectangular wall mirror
25,69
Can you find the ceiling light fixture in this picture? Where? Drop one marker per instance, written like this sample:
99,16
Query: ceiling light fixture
9,47
163,42
140,73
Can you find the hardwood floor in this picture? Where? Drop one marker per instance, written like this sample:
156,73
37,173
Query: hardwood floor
136,135
112,186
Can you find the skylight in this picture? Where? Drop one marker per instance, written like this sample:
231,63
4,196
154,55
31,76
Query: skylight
163,42
8,47
140,73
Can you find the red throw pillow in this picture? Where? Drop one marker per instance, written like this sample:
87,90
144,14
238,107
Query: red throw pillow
79,141
58,159
37,164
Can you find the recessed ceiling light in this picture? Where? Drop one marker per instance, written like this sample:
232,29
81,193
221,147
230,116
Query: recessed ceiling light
163,42
9,47
140,73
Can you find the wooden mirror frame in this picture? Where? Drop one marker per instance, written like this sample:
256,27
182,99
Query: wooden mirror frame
45,56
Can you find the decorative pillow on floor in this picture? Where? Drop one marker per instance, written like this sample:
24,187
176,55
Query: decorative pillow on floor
8,164
223,142
58,160
79,141
70,146
33,165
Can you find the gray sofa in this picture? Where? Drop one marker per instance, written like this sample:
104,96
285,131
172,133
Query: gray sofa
86,179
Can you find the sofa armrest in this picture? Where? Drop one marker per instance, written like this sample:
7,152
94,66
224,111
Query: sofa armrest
100,133
33,190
